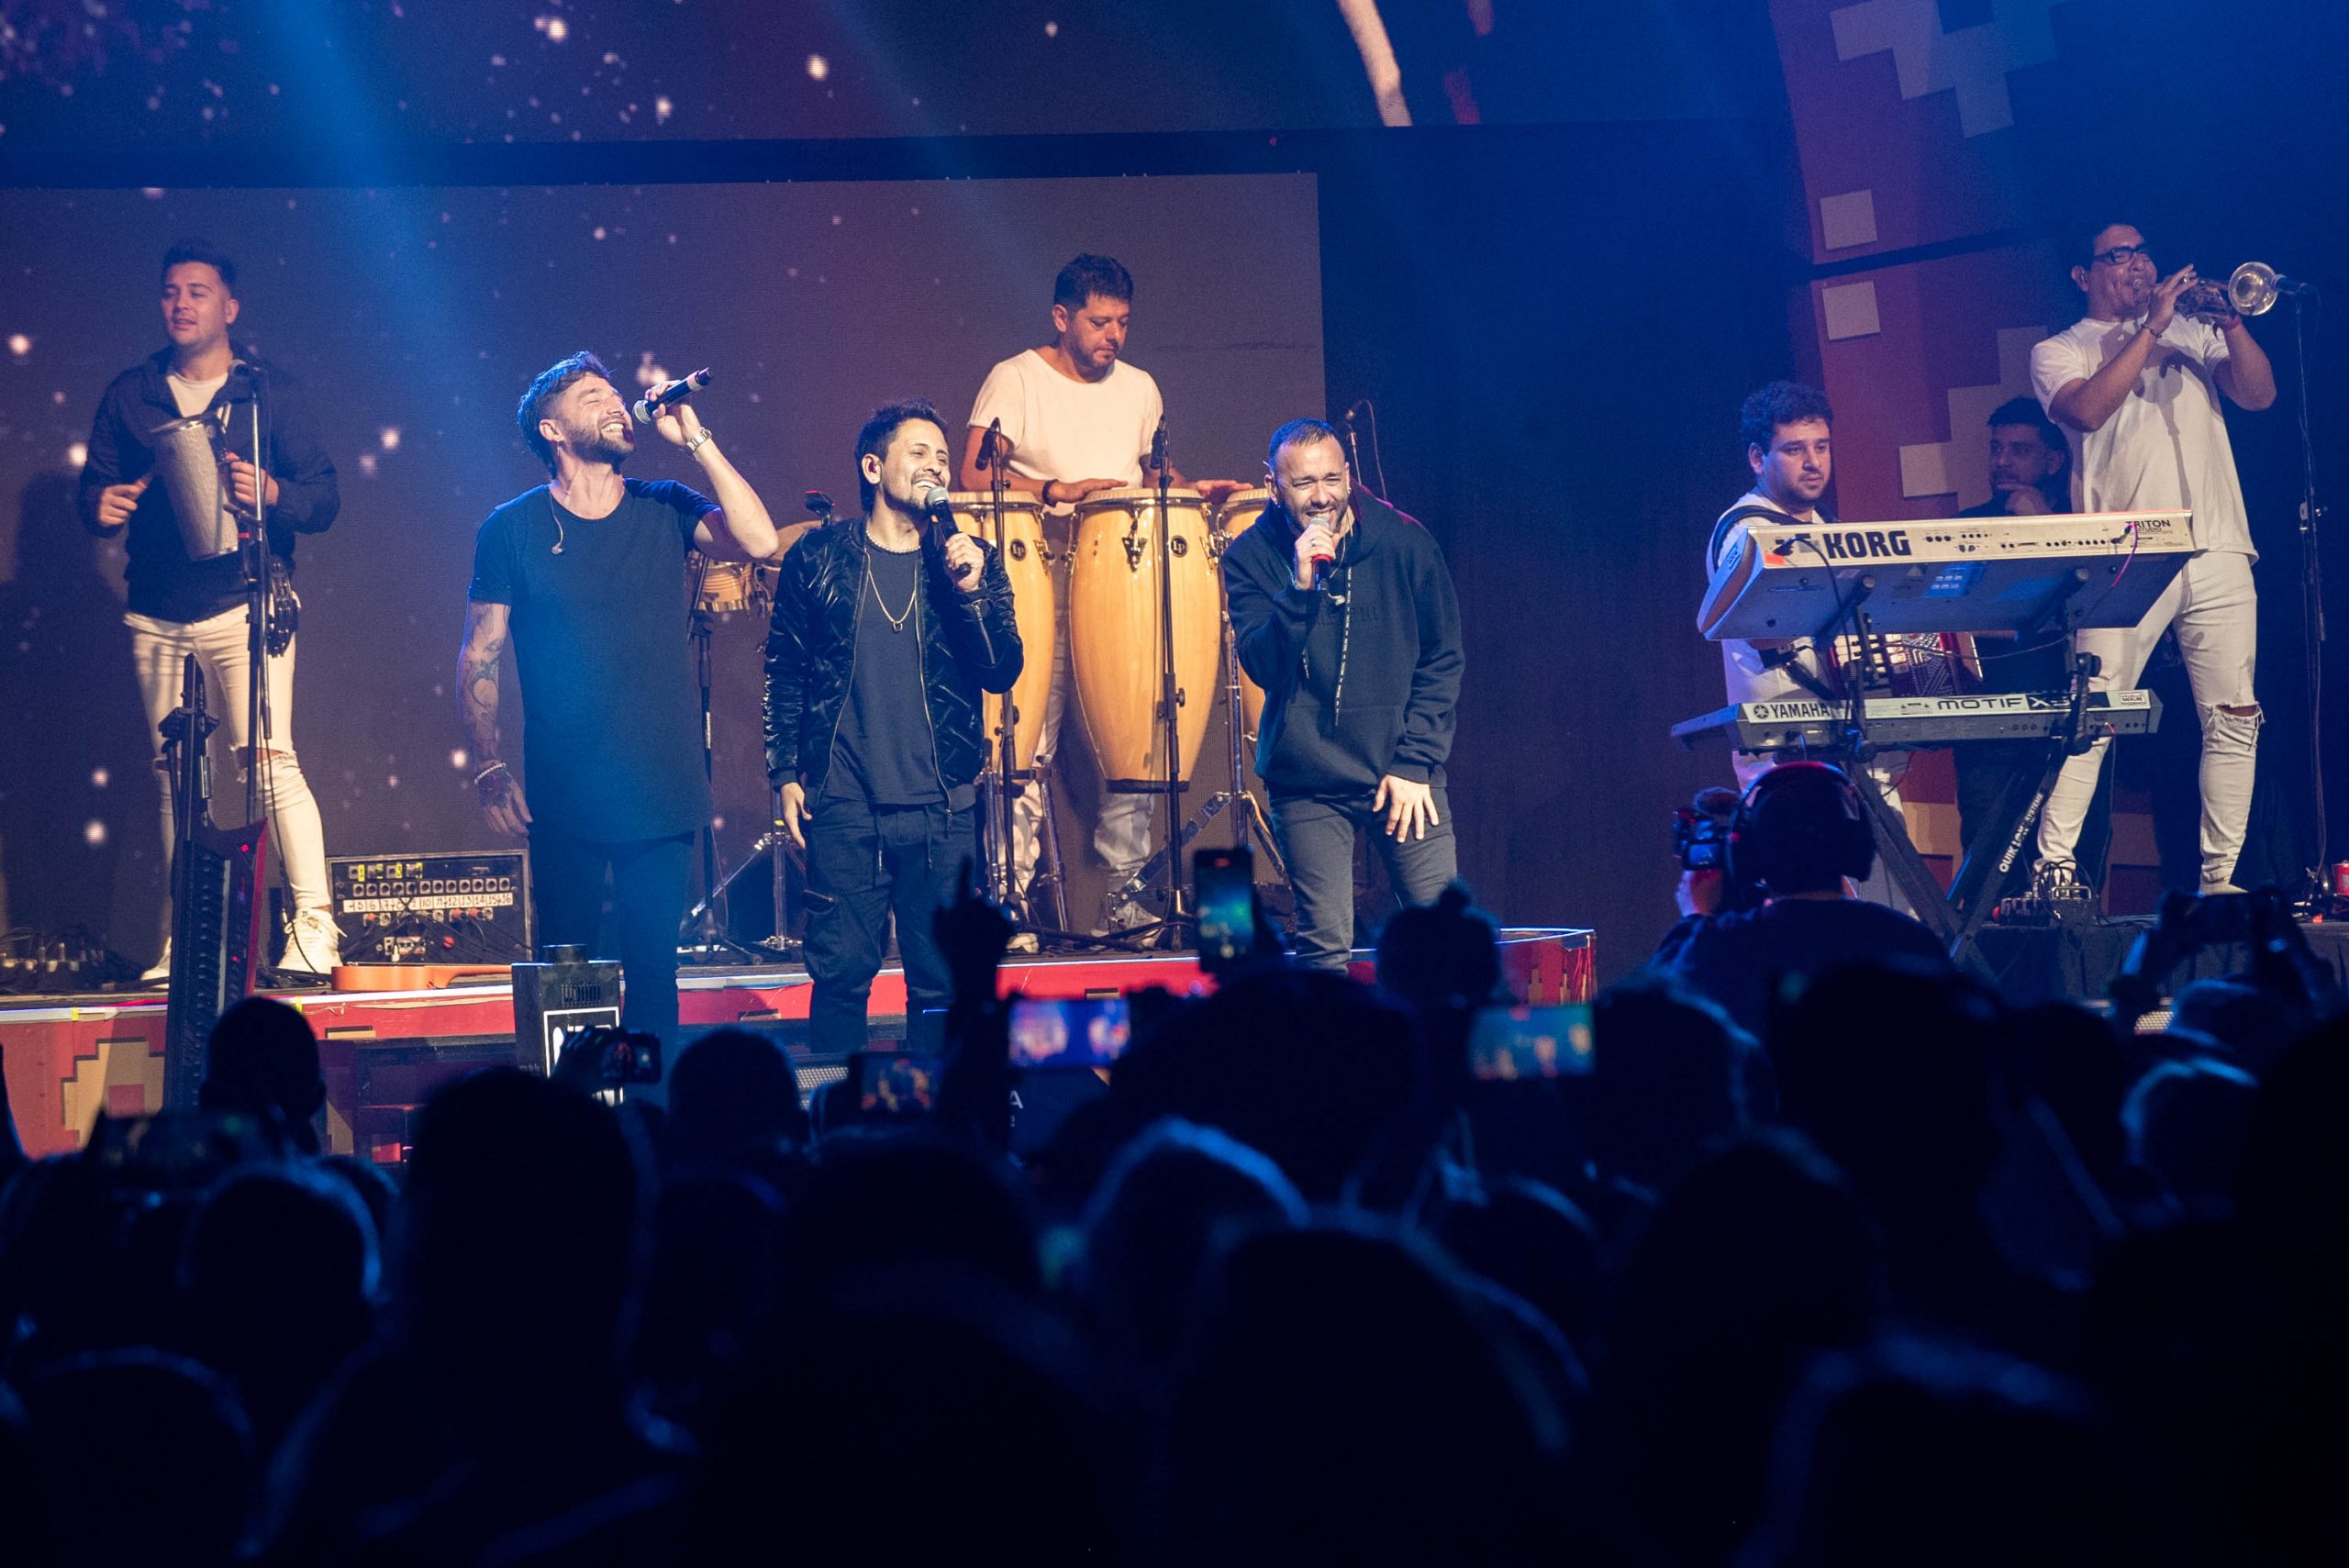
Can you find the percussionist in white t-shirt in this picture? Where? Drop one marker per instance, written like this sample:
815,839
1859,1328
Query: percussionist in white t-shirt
1079,421
2135,384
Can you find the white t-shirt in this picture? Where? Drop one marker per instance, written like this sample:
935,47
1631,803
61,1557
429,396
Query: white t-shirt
194,396
1744,673
2167,445
1067,429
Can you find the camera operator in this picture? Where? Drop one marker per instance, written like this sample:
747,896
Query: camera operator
1781,907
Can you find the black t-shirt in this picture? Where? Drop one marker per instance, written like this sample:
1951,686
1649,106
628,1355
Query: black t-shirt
1738,960
2043,664
611,726
884,749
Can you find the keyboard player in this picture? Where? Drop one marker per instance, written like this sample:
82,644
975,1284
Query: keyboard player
1789,429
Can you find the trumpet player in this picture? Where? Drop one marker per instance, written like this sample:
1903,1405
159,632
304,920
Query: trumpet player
186,595
2135,386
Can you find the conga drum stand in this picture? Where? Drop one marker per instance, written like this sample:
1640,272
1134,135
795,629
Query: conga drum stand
1250,827
1167,863
1002,782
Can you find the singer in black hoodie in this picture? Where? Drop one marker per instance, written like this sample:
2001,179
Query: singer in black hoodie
1345,614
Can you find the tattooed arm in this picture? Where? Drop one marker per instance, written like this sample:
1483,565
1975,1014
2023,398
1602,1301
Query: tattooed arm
479,664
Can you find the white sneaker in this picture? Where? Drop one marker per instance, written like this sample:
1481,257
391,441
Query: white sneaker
312,945
160,972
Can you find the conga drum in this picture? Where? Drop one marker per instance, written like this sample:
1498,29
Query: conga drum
730,587
1236,517
1028,565
1115,603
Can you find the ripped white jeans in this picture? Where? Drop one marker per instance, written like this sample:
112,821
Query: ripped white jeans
159,647
2216,611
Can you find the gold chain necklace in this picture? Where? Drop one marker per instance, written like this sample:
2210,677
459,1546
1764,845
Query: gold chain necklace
897,622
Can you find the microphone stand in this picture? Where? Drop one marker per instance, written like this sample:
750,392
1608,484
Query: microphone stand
1001,869
1170,694
2311,601
254,549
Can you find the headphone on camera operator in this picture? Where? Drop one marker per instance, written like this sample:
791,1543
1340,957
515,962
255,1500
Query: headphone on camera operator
1799,830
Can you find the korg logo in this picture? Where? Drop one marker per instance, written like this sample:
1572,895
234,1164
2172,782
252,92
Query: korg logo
1872,544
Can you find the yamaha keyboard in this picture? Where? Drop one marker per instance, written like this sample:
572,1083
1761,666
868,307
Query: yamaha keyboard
1807,725
2094,569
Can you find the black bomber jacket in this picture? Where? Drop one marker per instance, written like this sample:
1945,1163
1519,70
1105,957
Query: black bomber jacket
969,644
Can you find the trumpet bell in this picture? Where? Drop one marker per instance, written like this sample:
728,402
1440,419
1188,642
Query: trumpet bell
2252,289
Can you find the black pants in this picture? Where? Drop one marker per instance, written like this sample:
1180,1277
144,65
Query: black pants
864,861
1317,838
1984,768
651,880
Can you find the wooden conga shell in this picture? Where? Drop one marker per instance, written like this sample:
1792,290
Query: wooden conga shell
1236,517
1033,598
730,587
1115,601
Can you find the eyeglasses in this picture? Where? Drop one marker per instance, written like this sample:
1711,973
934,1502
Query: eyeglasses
2122,255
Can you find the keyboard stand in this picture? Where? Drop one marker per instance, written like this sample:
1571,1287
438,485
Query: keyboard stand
1997,848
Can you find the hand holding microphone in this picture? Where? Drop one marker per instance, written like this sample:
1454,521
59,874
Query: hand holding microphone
668,393
964,560
1316,551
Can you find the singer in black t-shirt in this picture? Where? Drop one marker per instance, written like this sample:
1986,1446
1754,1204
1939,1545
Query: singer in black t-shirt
584,577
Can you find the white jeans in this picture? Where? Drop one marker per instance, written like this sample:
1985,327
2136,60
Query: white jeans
157,649
1747,679
1121,835
2216,611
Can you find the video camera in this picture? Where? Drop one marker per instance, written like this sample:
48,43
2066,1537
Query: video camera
1701,831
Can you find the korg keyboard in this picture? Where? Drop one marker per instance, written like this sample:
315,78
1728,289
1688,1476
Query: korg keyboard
2095,569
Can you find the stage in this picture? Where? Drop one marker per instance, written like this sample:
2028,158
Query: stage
68,1057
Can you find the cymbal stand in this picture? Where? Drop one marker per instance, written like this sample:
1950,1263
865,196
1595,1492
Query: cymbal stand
775,847
702,936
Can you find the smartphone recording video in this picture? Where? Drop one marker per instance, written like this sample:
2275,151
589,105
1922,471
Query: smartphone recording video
896,1084
1510,1044
1091,1031
1223,886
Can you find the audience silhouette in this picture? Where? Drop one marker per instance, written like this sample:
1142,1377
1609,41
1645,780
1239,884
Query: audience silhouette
1910,1277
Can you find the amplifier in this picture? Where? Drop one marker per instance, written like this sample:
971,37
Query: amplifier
472,907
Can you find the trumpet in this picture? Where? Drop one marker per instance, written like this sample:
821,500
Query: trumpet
2251,289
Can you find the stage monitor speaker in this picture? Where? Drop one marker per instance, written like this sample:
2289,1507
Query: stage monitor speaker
565,991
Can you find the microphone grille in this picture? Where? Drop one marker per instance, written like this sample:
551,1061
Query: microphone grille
936,499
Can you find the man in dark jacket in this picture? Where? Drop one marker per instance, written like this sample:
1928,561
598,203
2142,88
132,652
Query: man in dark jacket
887,629
187,592
1345,614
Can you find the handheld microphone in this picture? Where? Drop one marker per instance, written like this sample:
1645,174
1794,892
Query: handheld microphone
940,505
678,391
990,445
